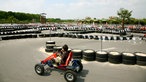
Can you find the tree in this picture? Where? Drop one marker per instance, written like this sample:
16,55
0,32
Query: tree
124,14
11,19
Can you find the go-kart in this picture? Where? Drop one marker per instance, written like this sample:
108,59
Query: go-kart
71,67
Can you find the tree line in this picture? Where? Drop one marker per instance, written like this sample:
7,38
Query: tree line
18,17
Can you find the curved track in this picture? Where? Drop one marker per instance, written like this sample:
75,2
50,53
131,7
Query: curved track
18,57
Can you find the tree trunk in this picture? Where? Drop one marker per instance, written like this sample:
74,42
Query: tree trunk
123,21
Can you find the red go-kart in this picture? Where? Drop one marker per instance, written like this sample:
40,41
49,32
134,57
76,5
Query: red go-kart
71,67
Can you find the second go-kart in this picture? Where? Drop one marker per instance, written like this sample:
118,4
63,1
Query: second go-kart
71,67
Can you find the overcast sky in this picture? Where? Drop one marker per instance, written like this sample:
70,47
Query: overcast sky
75,9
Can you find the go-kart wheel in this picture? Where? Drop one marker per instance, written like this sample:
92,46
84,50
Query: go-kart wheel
70,76
79,67
39,69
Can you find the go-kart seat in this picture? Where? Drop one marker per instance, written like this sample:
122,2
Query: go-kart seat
68,59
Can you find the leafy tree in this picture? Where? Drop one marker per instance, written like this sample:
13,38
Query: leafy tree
124,14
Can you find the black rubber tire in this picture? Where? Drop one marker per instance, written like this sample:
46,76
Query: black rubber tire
142,63
39,69
70,76
80,36
50,44
86,37
106,38
140,56
57,49
77,53
128,56
101,59
118,38
128,62
114,55
115,61
96,38
88,58
89,53
80,67
124,38
111,38
102,54
60,34
91,37
49,50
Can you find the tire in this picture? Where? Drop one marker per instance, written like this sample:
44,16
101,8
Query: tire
77,53
56,49
111,38
96,38
91,37
128,56
101,59
89,53
128,62
140,56
117,38
60,35
50,42
70,76
115,57
49,50
106,38
142,63
88,58
39,69
124,38
115,61
50,45
80,36
101,54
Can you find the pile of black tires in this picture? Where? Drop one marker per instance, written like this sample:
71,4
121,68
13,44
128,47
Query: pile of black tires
114,57
95,37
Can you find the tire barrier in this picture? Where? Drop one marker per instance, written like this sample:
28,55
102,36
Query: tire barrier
128,58
57,49
101,56
77,53
141,58
73,35
89,55
115,57
49,46
20,32
18,36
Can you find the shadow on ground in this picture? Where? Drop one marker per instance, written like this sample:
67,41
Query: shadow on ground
80,76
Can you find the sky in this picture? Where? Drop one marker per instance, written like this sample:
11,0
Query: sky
75,9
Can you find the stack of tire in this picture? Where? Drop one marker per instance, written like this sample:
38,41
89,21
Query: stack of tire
57,49
60,34
114,57
89,55
128,58
141,58
77,53
50,46
101,56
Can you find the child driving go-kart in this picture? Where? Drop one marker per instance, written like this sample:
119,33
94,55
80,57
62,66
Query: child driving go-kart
64,61
61,57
